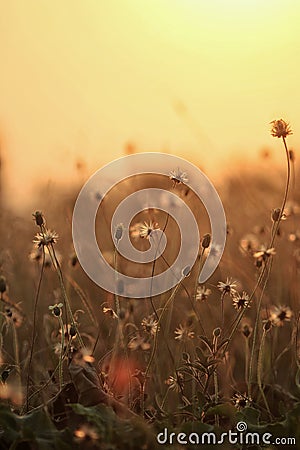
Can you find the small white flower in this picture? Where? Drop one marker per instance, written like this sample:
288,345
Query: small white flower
178,176
202,293
45,238
147,228
228,287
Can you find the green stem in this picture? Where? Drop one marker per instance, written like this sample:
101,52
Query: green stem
33,337
61,356
260,370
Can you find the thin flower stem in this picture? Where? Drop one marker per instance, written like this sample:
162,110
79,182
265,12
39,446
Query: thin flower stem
263,271
61,356
286,191
57,267
247,354
198,272
255,332
260,370
33,337
159,320
269,266
16,351
222,310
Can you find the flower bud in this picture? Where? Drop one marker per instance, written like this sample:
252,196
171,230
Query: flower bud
39,219
217,332
276,214
2,284
206,240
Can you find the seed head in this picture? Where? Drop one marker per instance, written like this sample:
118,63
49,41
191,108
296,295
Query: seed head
39,219
206,240
276,214
217,332
2,284
280,128
119,232
56,309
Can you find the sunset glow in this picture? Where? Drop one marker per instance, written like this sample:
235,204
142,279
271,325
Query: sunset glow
82,80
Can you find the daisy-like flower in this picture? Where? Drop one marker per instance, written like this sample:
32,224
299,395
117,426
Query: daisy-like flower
280,128
175,382
241,401
184,333
147,228
86,433
178,176
264,253
137,342
241,301
109,312
280,314
202,293
45,238
56,309
228,287
150,325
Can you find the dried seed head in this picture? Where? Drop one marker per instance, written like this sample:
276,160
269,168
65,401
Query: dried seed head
276,214
186,271
206,240
8,312
280,128
56,309
73,331
217,332
119,232
267,326
2,284
39,219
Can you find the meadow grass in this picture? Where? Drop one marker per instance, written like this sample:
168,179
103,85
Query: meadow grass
207,355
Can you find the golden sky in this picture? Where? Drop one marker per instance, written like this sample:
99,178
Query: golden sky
200,79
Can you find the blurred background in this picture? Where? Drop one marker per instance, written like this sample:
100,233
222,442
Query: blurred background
84,82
